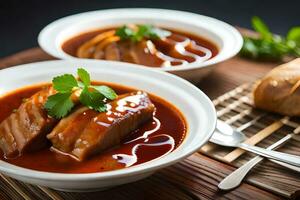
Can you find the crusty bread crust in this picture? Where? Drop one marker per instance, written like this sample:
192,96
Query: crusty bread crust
279,90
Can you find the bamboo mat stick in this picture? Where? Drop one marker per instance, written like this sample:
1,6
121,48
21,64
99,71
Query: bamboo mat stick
15,187
232,106
256,139
208,147
52,194
230,94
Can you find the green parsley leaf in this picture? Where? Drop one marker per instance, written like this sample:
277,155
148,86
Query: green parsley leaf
92,99
260,49
124,32
59,105
294,35
152,32
84,76
106,91
64,83
144,31
261,27
249,48
270,46
80,84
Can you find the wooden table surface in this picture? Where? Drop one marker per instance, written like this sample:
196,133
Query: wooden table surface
196,177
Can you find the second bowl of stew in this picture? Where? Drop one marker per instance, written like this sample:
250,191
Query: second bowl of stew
181,43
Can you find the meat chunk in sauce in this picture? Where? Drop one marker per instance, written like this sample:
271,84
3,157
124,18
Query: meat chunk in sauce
66,132
104,130
26,128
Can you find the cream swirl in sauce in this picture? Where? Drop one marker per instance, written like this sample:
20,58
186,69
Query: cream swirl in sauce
146,140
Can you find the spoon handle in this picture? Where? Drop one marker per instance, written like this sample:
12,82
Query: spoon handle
235,178
284,157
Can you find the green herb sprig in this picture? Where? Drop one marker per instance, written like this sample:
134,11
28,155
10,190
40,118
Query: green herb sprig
143,31
60,104
269,46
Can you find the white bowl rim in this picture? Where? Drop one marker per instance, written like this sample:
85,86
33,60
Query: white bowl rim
48,35
134,170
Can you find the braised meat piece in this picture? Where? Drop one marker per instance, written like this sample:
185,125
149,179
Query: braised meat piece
87,132
26,128
66,132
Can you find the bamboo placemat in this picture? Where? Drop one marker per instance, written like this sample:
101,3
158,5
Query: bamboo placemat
262,129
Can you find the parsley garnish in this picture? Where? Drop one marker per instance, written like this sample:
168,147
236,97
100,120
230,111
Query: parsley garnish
64,83
269,46
60,104
143,31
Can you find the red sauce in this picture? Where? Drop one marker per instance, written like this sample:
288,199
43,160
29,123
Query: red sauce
168,131
172,50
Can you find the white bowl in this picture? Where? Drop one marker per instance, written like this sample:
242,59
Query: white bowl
196,107
226,37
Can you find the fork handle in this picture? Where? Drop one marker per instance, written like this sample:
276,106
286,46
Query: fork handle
235,178
284,157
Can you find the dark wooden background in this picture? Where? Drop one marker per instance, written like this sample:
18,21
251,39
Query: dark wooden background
21,21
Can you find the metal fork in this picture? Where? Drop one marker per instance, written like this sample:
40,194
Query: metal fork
235,178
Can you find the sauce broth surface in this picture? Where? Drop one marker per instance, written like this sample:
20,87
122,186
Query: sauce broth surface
152,140
177,49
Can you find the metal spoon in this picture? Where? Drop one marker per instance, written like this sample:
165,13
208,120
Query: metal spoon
225,135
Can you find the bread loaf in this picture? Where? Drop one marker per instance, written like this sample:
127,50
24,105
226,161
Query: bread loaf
279,90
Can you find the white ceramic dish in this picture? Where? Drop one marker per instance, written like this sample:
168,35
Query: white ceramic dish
195,105
226,37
